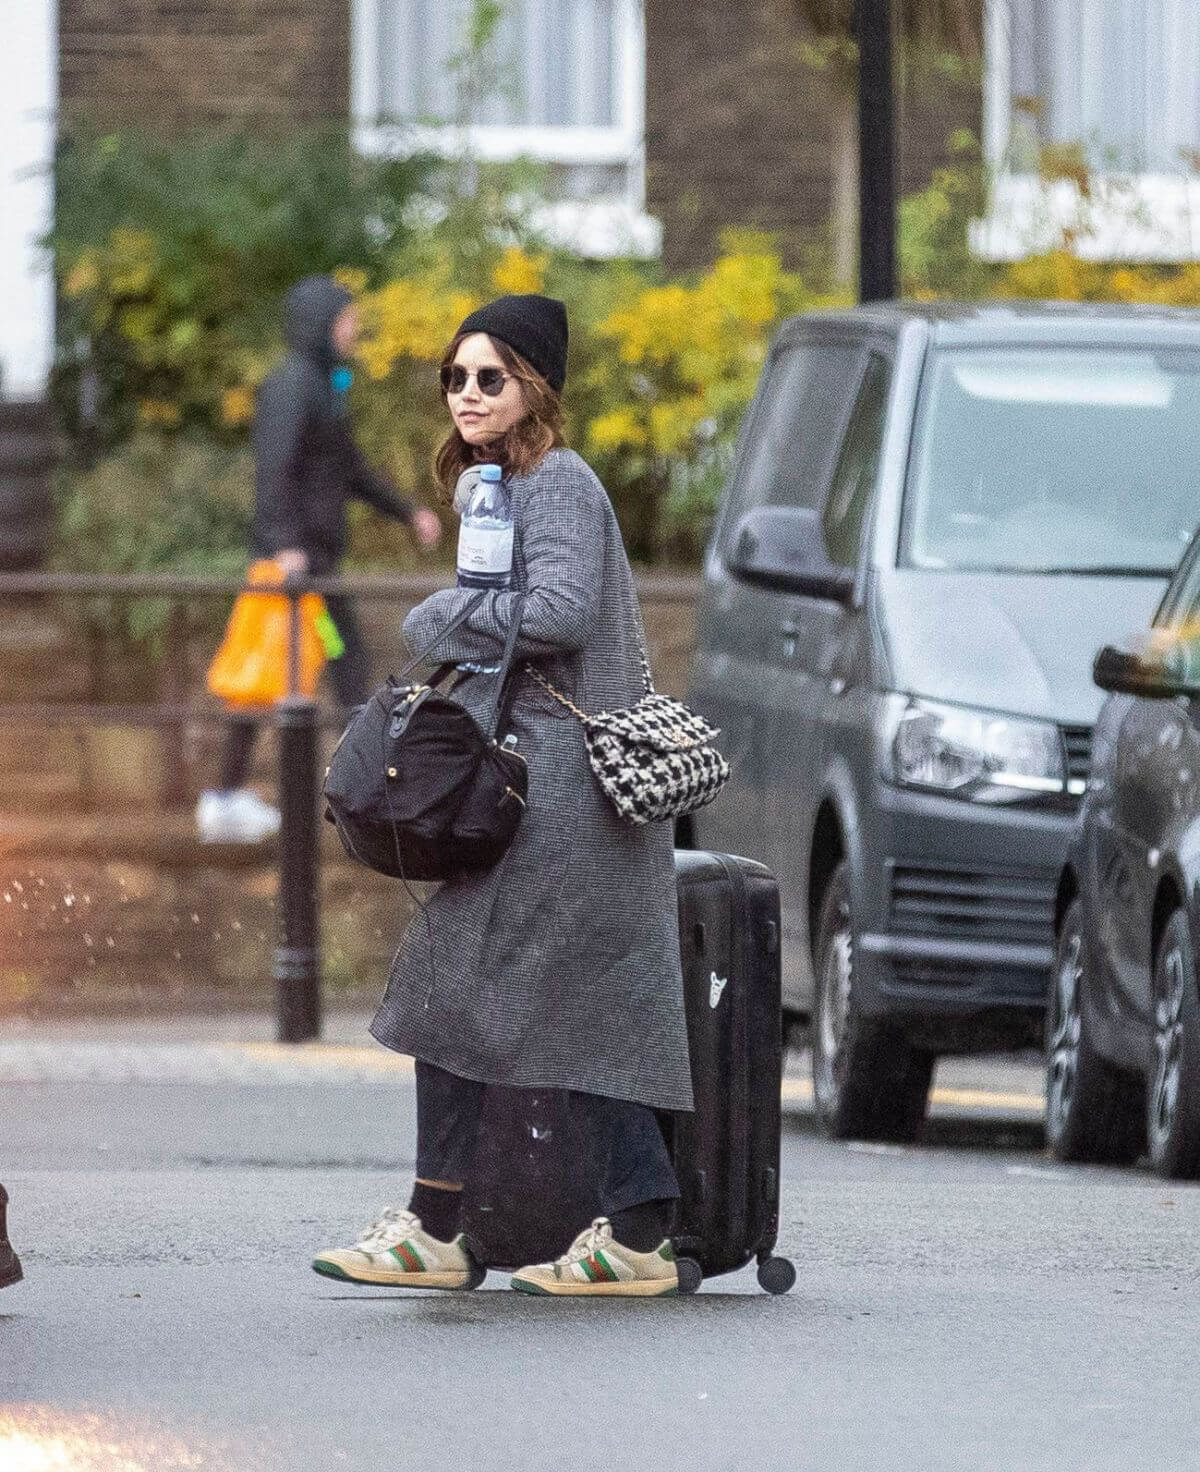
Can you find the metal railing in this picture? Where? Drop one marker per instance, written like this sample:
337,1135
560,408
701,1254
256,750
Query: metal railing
297,962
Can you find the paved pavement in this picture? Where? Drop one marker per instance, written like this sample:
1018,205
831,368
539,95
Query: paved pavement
962,1305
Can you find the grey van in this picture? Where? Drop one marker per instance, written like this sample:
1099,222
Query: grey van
936,517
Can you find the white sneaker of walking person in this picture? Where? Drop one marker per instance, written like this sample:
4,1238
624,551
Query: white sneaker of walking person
240,816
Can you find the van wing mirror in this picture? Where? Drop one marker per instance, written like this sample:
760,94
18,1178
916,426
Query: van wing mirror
1157,667
783,547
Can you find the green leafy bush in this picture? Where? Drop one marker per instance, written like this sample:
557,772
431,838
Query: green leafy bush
159,503
173,253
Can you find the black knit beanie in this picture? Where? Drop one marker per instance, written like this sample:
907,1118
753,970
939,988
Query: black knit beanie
533,326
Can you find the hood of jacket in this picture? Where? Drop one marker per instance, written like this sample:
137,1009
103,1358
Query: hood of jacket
312,306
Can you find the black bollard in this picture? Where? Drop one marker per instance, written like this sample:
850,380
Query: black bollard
297,952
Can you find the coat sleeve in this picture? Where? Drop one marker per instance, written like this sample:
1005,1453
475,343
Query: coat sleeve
279,420
369,486
562,527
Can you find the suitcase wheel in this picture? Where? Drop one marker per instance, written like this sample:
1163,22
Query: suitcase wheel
776,1274
690,1276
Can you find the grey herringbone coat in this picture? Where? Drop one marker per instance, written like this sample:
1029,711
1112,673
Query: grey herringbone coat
560,966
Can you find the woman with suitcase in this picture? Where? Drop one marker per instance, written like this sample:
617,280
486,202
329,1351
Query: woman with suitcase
559,968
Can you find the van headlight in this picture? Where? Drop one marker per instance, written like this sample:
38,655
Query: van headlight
975,754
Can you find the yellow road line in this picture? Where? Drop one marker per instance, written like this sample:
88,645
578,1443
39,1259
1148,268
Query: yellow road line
799,1090
794,1090
378,1060
989,1099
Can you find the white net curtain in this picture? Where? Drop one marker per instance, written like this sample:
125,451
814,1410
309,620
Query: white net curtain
1120,77
554,62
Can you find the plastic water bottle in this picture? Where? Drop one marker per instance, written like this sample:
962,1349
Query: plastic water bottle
485,537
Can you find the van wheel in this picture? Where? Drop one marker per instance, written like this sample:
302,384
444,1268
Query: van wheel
1093,1109
869,1083
1173,1083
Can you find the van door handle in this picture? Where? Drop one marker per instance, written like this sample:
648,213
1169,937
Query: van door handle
790,634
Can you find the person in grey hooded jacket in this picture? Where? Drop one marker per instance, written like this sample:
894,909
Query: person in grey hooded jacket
307,467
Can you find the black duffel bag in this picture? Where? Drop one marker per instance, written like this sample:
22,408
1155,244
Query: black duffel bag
416,788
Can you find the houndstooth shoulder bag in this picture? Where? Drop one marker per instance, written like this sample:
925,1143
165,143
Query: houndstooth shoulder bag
654,760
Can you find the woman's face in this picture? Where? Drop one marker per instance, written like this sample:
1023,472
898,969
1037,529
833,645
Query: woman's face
477,417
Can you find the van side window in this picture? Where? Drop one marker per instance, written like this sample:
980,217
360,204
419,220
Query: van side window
794,432
858,466
1182,606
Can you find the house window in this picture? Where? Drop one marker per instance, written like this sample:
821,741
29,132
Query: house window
554,63
1116,77
562,82
1117,80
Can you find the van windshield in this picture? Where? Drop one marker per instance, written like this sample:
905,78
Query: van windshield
1052,460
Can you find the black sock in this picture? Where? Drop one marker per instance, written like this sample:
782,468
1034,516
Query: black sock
440,1210
642,1227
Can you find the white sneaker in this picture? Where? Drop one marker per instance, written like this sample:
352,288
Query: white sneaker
235,817
397,1252
596,1263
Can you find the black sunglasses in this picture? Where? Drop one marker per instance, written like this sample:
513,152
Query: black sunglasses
491,381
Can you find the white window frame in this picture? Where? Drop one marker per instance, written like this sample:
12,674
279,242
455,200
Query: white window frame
28,105
1151,217
621,144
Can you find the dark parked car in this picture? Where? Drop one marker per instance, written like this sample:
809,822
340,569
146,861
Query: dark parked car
935,518
1123,1023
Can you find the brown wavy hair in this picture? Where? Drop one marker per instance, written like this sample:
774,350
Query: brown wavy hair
521,448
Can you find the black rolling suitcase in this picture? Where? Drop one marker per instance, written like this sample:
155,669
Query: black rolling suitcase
726,1153
524,1204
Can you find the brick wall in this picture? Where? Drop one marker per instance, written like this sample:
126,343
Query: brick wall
187,61
738,125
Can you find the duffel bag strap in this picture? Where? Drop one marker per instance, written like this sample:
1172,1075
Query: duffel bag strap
506,680
450,628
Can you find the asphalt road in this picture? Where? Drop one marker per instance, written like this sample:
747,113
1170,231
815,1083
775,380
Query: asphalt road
962,1305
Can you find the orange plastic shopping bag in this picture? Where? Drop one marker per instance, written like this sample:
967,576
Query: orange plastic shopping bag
251,666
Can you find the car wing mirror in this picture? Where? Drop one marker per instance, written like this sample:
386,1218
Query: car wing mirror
783,548
1158,666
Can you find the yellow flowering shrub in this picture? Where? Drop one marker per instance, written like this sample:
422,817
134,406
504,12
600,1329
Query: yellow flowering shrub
688,354
237,407
161,412
180,360
410,319
1059,275
615,430
672,368
83,277
519,272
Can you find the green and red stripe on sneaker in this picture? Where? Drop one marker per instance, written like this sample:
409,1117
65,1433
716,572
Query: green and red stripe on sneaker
597,1264
397,1252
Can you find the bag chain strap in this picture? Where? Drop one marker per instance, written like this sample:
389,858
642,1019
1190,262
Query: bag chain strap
570,704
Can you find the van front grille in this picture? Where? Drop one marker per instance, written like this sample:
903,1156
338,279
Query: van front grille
1078,743
960,904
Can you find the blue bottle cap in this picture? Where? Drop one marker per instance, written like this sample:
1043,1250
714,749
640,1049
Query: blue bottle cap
341,378
490,473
